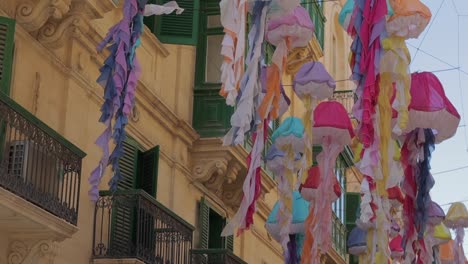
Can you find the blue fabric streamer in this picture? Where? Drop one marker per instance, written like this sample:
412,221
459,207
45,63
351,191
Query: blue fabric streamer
425,182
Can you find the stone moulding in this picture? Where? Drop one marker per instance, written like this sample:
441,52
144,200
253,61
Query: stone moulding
222,169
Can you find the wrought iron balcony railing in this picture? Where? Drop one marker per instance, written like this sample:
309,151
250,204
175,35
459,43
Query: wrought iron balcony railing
347,99
132,224
215,256
339,236
37,164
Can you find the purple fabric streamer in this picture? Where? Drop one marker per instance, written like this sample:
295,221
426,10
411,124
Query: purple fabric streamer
119,77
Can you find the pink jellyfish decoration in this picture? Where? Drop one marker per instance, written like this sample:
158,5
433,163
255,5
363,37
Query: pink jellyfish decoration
333,130
432,119
286,32
430,107
457,218
396,248
309,188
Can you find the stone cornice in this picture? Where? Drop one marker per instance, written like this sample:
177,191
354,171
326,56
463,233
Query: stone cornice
222,169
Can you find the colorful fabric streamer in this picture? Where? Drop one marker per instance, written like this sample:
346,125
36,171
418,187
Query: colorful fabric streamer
119,77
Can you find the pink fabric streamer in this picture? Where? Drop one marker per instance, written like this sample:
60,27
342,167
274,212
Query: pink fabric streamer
326,160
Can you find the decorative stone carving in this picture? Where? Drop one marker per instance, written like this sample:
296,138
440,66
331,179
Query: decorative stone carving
32,15
42,251
206,169
298,56
222,170
56,32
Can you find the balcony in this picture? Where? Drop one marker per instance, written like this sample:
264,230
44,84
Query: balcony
215,256
347,99
132,227
39,177
339,236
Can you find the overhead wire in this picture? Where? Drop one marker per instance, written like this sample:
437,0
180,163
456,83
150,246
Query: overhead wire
427,31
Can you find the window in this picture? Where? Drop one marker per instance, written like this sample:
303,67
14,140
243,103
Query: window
315,9
7,33
339,205
211,115
211,224
176,29
139,168
139,171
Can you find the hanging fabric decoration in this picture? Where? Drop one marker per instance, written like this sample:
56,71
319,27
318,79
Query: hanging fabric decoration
234,21
119,77
300,211
357,241
167,8
285,33
288,138
312,84
432,119
332,130
410,19
457,219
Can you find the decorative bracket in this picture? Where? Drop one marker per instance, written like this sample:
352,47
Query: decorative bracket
32,15
222,170
42,251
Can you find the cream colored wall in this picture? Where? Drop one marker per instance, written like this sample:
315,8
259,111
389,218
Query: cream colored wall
57,84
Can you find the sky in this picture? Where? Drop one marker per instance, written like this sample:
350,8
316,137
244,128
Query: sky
447,31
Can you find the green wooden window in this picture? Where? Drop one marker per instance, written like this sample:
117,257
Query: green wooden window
176,29
139,171
211,224
7,33
353,201
315,9
139,168
211,115
340,204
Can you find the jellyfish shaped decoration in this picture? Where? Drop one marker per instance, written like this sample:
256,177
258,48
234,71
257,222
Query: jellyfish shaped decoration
396,197
457,219
333,130
436,214
286,32
409,20
289,133
300,211
312,84
288,138
441,234
276,160
357,241
313,80
396,247
308,189
430,107
447,255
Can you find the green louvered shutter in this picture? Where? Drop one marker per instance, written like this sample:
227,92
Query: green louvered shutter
7,34
353,201
148,163
124,210
204,223
230,243
178,29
